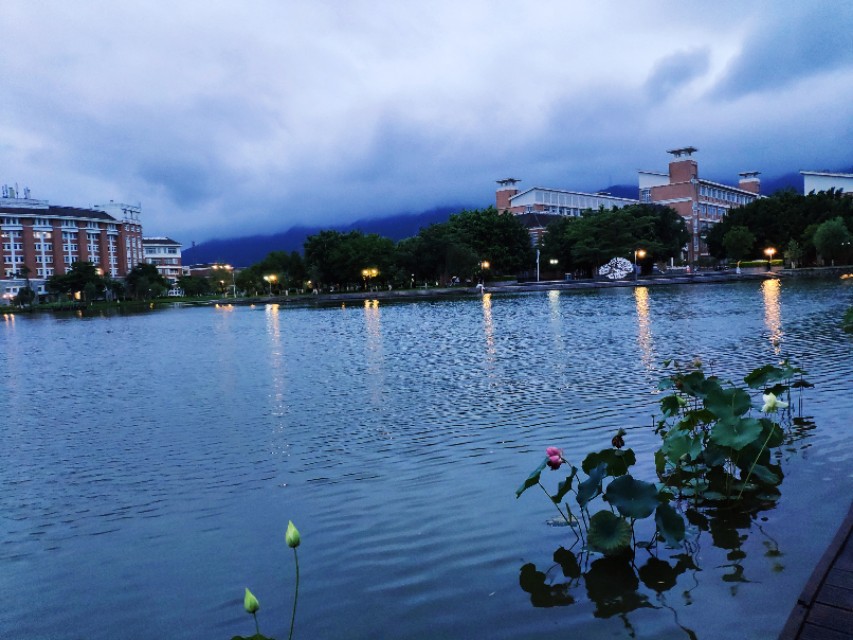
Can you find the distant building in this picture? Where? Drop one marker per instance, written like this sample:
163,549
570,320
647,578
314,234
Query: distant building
701,203
824,181
539,205
38,240
165,254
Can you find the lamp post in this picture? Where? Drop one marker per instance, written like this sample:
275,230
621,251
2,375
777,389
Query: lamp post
367,274
537,265
228,267
638,253
270,279
769,251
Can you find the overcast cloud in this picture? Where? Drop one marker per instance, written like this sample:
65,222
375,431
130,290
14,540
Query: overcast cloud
232,118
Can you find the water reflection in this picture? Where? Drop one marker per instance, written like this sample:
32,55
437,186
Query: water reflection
770,291
644,328
488,326
374,352
277,372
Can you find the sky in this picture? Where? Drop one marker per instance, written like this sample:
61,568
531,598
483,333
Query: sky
226,119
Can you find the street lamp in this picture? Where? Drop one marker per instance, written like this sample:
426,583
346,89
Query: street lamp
638,253
372,272
769,252
270,279
228,267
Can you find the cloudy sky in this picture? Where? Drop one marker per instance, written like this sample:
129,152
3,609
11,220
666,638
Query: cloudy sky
232,118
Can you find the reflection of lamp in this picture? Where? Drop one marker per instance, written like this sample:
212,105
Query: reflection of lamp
769,251
638,253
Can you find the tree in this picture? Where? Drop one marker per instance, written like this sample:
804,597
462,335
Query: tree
82,277
739,242
832,240
794,253
144,281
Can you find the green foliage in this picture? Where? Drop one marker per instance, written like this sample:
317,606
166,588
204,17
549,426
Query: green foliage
739,243
712,449
785,216
596,237
145,282
83,277
847,322
832,241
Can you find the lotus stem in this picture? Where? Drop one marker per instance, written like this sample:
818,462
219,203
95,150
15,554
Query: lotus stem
295,594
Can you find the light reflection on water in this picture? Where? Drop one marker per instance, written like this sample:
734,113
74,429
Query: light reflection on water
394,436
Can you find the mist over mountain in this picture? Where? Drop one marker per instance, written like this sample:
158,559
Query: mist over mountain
245,251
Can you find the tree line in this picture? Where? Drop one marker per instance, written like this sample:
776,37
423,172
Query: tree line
813,229
472,245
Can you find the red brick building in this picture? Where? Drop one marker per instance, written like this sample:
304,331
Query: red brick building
48,239
701,203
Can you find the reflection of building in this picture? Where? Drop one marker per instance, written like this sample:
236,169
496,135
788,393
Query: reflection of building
165,254
538,206
824,181
701,203
40,240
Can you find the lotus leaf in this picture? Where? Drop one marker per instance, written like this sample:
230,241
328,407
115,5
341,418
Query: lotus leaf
532,479
617,461
676,445
728,403
608,532
633,498
670,524
736,432
670,406
564,487
591,487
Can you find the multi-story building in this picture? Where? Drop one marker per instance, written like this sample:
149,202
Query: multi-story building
165,254
701,203
538,205
38,240
825,180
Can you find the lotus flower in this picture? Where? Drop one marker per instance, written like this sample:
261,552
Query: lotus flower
772,403
555,457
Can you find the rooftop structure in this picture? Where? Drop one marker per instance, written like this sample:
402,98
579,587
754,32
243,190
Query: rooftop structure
702,203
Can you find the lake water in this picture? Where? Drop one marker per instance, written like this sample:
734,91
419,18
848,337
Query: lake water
149,463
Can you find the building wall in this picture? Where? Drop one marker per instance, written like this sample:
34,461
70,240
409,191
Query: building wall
48,239
824,181
165,254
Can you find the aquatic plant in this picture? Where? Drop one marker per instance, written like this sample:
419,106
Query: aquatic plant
714,472
250,603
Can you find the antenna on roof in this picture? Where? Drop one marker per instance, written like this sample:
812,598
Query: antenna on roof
508,182
684,151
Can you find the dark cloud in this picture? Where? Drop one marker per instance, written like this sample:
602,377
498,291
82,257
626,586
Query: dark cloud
676,70
814,40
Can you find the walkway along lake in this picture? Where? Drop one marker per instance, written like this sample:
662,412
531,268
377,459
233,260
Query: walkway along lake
149,463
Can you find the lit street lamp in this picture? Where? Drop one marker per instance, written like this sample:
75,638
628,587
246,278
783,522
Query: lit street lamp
227,267
367,274
769,252
638,253
270,279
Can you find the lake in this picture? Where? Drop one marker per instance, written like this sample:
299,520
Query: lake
150,463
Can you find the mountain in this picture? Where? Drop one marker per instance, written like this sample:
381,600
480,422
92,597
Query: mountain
248,250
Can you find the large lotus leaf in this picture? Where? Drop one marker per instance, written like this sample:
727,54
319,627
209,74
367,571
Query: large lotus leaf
591,487
695,418
608,533
532,479
670,405
769,374
670,524
727,403
764,474
696,384
735,432
617,461
714,456
676,445
633,498
564,487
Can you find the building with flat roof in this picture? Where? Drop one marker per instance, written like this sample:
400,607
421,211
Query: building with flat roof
815,181
700,202
537,206
165,254
38,240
